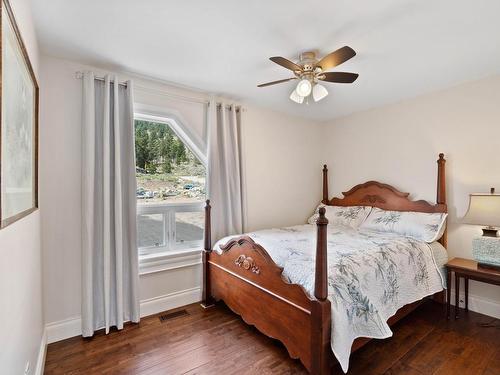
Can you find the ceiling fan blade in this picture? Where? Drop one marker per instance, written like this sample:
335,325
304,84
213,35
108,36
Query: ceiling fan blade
339,77
285,63
336,58
275,82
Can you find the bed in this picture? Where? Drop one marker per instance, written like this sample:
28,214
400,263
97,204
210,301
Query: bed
291,288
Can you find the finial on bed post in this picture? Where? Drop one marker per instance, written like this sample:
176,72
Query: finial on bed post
441,181
325,184
321,275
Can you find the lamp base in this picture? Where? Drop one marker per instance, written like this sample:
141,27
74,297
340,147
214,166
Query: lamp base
490,232
486,251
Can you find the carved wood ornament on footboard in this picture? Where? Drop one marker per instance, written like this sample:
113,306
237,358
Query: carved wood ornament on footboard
246,278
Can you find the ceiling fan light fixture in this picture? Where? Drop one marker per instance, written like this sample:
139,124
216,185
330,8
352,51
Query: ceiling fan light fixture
304,88
310,72
296,97
319,92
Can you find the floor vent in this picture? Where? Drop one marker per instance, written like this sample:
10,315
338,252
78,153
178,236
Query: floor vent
168,316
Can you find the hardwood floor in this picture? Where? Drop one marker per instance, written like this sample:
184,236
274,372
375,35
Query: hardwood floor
216,341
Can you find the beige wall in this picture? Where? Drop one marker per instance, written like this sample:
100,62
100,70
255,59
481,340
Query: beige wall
21,319
399,144
280,163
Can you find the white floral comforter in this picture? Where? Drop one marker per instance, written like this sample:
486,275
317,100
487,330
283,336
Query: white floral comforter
370,276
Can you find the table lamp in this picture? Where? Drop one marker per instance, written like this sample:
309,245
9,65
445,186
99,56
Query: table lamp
484,209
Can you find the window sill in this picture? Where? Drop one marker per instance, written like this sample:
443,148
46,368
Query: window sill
168,260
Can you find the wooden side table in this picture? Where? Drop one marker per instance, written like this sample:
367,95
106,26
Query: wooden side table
467,269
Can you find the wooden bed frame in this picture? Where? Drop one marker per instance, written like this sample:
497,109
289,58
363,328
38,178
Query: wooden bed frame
246,278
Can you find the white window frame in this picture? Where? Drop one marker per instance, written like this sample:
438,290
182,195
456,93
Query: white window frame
168,211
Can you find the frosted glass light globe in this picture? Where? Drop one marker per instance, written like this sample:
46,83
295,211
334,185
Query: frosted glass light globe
304,88
296,97
319,92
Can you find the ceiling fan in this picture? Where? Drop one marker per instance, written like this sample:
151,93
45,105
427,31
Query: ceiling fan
310,72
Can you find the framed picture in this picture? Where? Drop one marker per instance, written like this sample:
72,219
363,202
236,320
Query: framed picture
18,124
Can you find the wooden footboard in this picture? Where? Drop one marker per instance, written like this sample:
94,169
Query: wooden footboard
246,278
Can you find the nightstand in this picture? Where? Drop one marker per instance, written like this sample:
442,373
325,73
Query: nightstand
468,270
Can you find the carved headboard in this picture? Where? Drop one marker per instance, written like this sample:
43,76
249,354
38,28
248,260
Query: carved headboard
376,194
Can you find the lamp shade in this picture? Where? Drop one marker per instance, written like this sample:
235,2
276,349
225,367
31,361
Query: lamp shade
484,209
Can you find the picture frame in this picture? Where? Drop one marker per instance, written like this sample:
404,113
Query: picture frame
19,99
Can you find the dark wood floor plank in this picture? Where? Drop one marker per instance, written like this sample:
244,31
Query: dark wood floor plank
403,368
216,341
454,345
433,351
472,361
493,367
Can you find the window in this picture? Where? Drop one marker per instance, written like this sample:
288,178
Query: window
170,190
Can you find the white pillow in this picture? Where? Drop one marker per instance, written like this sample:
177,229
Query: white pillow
428,227
351,216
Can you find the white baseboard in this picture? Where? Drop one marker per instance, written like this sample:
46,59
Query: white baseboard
72,327
40,362
63,329
170,301
478,304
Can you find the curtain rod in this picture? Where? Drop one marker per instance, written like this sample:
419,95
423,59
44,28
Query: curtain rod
238,108
79,75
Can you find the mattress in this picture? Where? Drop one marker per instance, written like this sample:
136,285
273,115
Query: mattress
440,257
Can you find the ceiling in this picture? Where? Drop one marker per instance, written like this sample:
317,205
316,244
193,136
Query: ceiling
405,48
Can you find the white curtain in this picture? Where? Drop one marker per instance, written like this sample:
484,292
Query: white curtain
224,169
109,234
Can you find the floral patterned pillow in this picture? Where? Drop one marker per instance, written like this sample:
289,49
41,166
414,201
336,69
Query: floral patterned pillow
351,216
428,227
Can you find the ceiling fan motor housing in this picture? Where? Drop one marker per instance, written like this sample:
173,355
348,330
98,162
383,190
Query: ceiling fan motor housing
308,60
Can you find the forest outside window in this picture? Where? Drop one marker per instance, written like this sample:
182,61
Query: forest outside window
170,191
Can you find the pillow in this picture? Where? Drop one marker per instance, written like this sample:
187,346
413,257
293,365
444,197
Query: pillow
428,227
351,216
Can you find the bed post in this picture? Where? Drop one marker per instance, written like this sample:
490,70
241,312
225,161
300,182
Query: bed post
441,183
325,184
321,309
207,298
441,199
441,191
321,275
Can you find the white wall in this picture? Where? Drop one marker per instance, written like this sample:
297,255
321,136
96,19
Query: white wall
399,144
281,159
282,165
21,319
